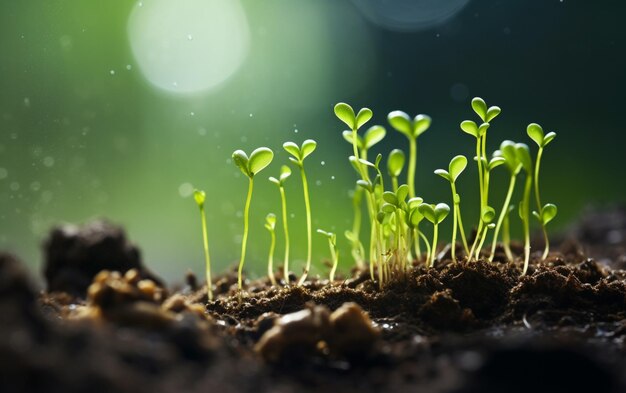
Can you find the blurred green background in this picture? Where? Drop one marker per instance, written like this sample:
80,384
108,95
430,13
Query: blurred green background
118,109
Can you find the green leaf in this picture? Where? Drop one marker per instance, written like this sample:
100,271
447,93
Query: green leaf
480,107
364,115
285,172
347,135
377,161
402,192
456,199
270,222
548,212
259,159
345,113
388,208
367,185
443,173
274,180
487,214
428,211
293,149
523,155
535,132
420,124
415,202
507,151
395,162
492,113
470,127
537,215
390,197
415,217
400,121
548,138
496,162
240,158
482,130
308,147
328,235
441,212
199,196
456,167
373,135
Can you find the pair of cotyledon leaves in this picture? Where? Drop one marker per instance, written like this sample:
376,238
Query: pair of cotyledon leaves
299,153
285,172
259,159
535,132
485,113
346,114
395,162
372,136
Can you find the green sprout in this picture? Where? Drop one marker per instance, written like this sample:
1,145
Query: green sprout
270,225
345,113
435,214
395,164
487,215
334,253
413,221
200,197
412,129
455,168
372,136
486,115
511,161
394,204
298,156
259,159
546,212
285,172
523,155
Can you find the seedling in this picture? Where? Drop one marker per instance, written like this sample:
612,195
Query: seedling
270,225
200,196
435,214
395,164
413,221
412,129
455,168
345,113
511,161
298,155
523,156
487,215
546,212
334,253
259,159
285,172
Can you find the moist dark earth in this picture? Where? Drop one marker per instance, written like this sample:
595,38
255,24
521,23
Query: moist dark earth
105,322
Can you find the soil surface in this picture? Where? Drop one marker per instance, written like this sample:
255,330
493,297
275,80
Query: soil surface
111,325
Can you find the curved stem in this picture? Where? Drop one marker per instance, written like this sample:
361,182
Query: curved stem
244,240
525,220
283,200
410,180
458,209
307,206
270,260
335,257
207,258
482,242
428,249
503,214
478,232
539,206
434,249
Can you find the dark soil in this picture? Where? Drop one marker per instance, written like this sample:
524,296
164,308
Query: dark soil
459,327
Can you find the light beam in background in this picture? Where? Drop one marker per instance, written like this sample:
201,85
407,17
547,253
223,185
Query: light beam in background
188,46
409,15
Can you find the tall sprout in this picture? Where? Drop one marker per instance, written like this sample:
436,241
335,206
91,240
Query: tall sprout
270,225
334,253
200,196
298,154
285,172
259,159
545,213
412,129
523,156
435,214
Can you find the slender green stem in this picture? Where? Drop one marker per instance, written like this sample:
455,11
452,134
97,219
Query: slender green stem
428,249
539,206
394,183
410,181
457,205
525,220
482,241
506,237
307,206
454,223
335,257
434,249
283,200
381,253
503,214
356,227
207,258
270,260
480,174
478,232
244,240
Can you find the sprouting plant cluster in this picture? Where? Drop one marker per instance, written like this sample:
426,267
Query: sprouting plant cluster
395,211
